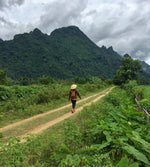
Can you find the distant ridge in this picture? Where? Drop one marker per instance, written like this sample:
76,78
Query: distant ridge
66,53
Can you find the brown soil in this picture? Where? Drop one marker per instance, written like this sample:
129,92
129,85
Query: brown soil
43,127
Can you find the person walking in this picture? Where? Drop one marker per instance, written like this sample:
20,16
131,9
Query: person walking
73,96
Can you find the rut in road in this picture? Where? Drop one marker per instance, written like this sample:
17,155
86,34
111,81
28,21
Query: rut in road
39,129
42,114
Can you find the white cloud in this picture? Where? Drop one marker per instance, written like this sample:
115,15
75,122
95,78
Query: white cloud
125,25
61,13
148,59
8,3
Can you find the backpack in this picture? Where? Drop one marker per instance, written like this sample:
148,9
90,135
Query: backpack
73,94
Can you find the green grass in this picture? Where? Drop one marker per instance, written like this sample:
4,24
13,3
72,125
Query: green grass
100,135
20,102
146,91
25,127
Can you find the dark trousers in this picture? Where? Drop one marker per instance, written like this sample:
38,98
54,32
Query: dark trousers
73,103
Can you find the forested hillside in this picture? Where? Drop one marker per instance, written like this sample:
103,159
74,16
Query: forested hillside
65,53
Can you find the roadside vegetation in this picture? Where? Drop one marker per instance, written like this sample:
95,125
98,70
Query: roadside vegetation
110,133
20,102
145,100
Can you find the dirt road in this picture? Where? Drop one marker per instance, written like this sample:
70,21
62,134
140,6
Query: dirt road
39,129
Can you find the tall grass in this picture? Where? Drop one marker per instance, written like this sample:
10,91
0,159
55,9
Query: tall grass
101,135
19,102
146,91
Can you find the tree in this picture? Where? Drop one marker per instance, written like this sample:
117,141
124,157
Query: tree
128,70
143,81
46,80
3,77
24,81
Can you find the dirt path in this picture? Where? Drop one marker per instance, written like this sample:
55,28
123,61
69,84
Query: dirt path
39,129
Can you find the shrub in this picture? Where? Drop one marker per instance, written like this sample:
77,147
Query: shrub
46,80
4,93
145,103
133,90
109,81
137,92
130,85
1,117
72,135
1,135
90,87
43,97
113,98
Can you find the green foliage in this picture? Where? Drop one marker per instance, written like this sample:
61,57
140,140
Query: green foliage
114,99
81,80
24,81
146,91
107,134
72,136
121,130
43,97
130,85
46,80
137,92
128,71
109,81
144,81
91,83
134,90
1,134
137,154
19,102
124,163
66,53
145,103
70,161
3,77
5,93
12,154
1,117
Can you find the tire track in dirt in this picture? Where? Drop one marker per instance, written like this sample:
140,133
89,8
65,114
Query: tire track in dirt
45,126
46,113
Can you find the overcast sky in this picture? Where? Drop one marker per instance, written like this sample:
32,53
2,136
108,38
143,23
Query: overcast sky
122,24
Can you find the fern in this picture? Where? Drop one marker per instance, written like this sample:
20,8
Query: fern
86,149
70,161
101,146
65,149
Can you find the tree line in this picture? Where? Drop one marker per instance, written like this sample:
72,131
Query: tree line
128,70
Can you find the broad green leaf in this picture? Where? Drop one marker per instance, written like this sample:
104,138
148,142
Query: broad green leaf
137,154
134,165
70,161
123,162
108,136
145,144
115,116
125,125
122,139
121,115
